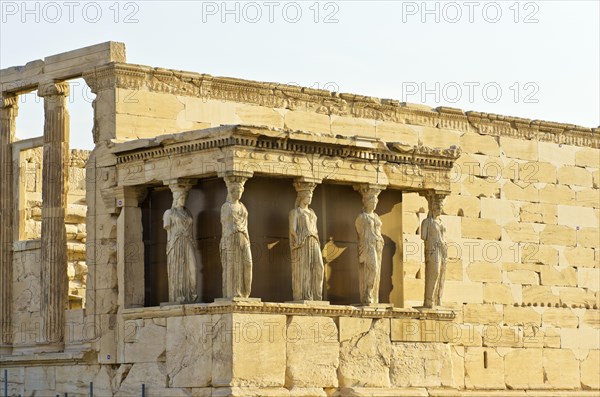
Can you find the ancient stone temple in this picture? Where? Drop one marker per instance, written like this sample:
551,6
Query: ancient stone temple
228,237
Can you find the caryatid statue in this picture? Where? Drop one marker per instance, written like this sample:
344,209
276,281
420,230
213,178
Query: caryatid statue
236,257
433,234
370,246
307,259
182,257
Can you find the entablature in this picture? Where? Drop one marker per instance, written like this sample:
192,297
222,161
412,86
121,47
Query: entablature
283,153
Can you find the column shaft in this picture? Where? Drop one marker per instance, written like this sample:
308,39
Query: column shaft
8,115
54,201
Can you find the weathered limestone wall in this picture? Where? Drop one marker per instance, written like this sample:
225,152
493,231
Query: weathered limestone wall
31,178
27,253
522,219
175,352
523,276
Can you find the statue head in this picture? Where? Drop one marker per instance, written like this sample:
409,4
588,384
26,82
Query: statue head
179,196
305,193
370,198
235,187
435,204
304,198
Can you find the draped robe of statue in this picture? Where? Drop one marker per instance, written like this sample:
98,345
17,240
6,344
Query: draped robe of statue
236,257
181,255
370,249
307,259
433,233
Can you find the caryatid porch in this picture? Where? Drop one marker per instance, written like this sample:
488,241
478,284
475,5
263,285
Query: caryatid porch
276,158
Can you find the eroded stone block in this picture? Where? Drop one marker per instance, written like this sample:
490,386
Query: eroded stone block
482,314
477,228
365,359
146,341
522,315
561,369
497,293
589,370
189,353
421,365
312,352
484,368
249,350
484,272
524,369
579,176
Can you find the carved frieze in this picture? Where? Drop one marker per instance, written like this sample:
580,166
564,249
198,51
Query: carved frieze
134,77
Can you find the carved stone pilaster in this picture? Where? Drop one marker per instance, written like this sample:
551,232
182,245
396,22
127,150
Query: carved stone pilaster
130,246
8,115
54,201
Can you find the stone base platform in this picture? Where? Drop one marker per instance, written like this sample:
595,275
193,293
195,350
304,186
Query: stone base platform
235,300
310,303
320,308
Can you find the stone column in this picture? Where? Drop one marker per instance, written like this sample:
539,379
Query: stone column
234,247
307,259
370,244
8,115
182,253
433,234
54,201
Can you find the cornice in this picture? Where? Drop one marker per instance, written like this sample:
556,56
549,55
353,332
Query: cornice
129,76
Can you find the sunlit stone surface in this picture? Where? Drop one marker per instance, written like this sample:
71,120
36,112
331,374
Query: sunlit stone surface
505,301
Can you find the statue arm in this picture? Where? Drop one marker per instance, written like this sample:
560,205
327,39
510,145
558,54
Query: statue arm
293,224
444,246
424,229
224,215
359,224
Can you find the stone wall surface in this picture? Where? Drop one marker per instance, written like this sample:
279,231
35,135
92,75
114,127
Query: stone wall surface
290,355
522,279
31,165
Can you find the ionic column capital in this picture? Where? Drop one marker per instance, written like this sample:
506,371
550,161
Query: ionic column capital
49,89
8,100
9,107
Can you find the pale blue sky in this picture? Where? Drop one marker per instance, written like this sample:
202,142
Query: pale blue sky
543,56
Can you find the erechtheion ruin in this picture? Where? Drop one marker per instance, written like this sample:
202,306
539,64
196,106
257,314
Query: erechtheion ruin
228,237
